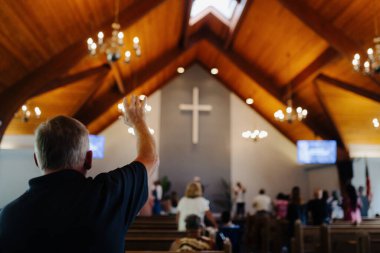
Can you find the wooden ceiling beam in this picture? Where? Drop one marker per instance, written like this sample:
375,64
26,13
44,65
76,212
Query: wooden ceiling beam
310,71
90,112
237,19
185,23
338,137
347,86
14,96
266,83
334,36
116,71
67,80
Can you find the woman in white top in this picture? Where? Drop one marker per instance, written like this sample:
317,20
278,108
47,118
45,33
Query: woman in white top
193,203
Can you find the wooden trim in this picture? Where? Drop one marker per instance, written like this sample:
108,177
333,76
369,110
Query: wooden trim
311,70
67,80
185,23
352,88
237,19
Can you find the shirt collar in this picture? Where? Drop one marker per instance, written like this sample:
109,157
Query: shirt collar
57,178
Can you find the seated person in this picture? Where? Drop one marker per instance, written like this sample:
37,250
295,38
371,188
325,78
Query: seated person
228,230
194,241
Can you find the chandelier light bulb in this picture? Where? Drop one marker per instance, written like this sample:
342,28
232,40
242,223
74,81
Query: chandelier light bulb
127,55
299,110
151,130
120,37
289,109
120,107
100,38
148,108
136,40
370,51
131,130
90,41
24,108
357,56
142,97
37,111
304,113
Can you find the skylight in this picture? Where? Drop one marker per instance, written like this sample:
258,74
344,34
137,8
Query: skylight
225,7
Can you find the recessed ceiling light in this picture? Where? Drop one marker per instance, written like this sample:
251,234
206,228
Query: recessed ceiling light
180,70
249,101
214,71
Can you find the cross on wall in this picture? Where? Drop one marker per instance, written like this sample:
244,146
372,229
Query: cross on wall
195,107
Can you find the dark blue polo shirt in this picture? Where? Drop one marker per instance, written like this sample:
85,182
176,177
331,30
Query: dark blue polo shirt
66,212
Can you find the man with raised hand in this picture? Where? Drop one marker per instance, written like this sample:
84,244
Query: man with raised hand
63,211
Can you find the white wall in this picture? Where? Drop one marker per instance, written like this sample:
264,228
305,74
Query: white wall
322,177
16,168
270,163
360,180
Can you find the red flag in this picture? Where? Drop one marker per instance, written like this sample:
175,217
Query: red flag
368,182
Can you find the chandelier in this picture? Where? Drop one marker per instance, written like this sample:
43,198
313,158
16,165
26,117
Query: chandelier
25,114
113,46
372,64
254,135
291,114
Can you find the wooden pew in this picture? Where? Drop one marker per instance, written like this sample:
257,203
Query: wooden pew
155,222
307,239
355,239
204,251
151,240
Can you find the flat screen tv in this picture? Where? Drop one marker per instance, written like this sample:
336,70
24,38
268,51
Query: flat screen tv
316,152
97,146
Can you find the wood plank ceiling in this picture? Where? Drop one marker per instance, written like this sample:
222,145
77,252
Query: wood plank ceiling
271,49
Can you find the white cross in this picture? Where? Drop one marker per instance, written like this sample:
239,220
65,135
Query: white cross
195,108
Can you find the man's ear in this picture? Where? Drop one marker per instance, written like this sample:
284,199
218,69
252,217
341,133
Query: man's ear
88,160
35,159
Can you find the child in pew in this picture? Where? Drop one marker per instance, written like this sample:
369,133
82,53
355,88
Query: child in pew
194,241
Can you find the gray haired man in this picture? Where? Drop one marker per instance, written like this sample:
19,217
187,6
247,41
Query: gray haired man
63,211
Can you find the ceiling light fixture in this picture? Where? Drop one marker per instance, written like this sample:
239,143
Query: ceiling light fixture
254,135
113,46
372,64
214,71
291,114
180,70
25,114
249,101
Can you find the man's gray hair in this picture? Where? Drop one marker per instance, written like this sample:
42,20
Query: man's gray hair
61,143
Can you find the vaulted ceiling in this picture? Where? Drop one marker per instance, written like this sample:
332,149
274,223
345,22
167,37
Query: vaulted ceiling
269,48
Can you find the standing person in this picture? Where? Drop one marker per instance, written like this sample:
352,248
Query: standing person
296,210
157,196
281,206
336,206
353,204
194,203
63,211
239,192
365,203
317,207
262,203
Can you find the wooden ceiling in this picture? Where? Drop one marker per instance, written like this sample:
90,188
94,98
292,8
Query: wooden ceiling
269,49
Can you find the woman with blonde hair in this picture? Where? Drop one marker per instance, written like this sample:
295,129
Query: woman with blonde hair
193,203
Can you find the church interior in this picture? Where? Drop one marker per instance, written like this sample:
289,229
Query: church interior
270,93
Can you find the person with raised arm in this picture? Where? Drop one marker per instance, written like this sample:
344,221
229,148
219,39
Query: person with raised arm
63,211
